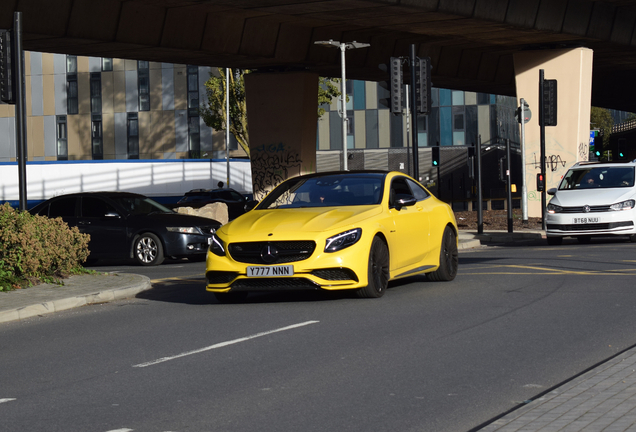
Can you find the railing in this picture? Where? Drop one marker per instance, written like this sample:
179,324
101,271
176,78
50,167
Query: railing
625,126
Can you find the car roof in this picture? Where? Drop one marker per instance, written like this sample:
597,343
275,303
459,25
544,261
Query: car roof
608,164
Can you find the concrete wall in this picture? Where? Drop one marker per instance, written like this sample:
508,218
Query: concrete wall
568,141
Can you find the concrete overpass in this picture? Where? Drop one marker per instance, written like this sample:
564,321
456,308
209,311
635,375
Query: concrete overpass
471,42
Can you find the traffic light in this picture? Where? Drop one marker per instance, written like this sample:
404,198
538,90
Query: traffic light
423,85
435,156
621,149
540,182
550,102
394,86
7,76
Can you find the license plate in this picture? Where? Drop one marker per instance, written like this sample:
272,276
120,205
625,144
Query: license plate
264,271
585,220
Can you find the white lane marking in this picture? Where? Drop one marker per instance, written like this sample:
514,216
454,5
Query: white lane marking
224,344
121,430
7,400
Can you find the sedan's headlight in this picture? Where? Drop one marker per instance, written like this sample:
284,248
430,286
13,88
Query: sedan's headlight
625,205
343,240
184,230
217,247
553,208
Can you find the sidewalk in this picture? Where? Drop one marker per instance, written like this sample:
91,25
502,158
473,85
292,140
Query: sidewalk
601,399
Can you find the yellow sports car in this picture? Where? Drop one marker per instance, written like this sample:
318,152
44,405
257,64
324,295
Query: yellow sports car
353,230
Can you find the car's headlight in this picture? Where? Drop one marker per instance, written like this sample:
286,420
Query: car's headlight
553,208
625,205
184,230
217,247
343,240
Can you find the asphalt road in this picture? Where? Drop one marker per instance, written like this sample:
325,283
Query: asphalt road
425,357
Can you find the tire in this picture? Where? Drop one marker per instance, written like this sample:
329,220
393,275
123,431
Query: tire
448,258
148,250
584,239
555,241
231,297
632,238
378,270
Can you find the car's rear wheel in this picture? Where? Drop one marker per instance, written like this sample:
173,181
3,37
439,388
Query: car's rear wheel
231,297
148,250
448,258
555,241
378,271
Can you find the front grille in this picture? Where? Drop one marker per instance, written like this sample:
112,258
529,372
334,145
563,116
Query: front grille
590,227
273,284
335,274
220,277
282,251
593,209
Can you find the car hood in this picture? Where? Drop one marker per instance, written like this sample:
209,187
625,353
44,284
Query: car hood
593,197
314,219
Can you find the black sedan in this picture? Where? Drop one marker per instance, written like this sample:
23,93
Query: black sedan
237,203
128,225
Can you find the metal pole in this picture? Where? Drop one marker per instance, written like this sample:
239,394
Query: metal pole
509,185
524,187
227,124
20,110
480,209
416,168
343,47
408,132
542,129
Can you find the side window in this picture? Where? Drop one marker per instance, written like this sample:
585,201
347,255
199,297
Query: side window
95,207
236,196
398,187
418,191
63,207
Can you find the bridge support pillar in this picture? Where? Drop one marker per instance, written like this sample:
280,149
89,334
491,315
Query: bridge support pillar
282,111
568,141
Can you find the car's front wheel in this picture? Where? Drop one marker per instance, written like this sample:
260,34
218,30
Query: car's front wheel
148,250
378,271
448,258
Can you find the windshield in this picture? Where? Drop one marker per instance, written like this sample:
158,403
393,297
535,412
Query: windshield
598,177
133,205
331,190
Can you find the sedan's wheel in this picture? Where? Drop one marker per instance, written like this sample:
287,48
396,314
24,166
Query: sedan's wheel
555,241
231,297
378,272
148,250
448,258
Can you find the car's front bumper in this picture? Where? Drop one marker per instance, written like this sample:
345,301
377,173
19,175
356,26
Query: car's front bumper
185,245
345,269
585,224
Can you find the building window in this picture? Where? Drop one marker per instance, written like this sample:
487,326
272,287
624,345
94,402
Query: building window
72,104
96,92
143,77
107,64
62,138
193,91
97,138
458,126
194,143
133,136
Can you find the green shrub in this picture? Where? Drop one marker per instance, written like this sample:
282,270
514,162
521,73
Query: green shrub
36,249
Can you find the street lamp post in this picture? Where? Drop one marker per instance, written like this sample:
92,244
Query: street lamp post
343,96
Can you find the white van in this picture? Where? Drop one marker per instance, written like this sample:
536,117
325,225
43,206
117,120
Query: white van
593,199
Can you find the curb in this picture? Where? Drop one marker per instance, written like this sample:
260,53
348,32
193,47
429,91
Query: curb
15,305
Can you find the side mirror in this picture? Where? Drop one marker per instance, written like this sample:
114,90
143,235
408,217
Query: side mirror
552,191
404,200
